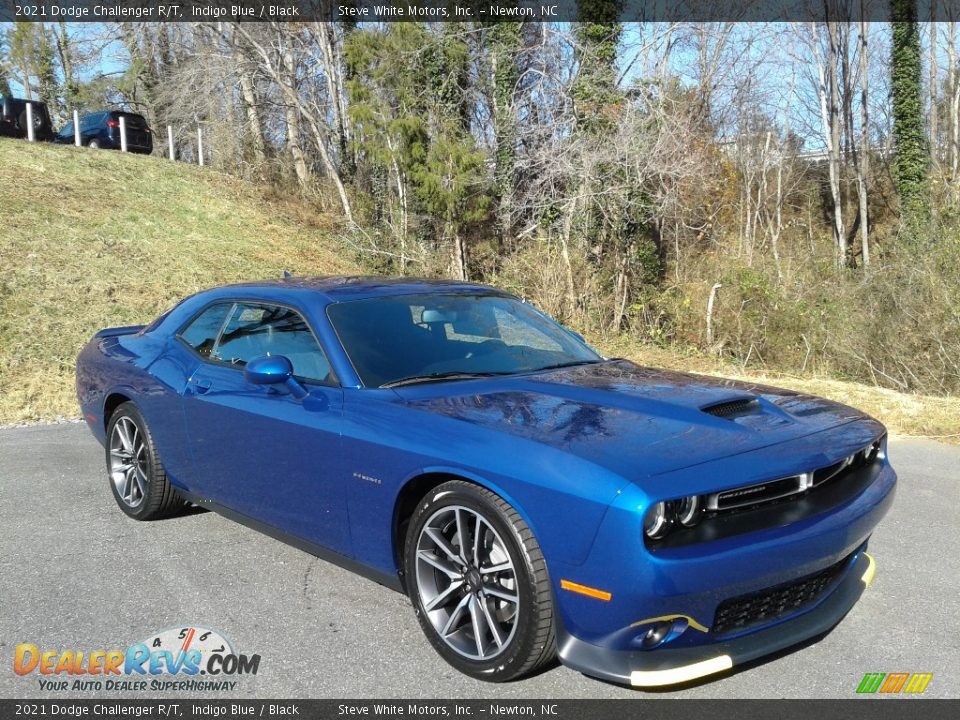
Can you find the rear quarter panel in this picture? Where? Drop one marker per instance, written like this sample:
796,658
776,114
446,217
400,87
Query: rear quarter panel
138,367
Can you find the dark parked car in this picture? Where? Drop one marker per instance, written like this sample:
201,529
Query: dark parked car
13,118
102,130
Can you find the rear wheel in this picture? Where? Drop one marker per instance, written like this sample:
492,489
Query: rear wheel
479,583
137,478
37,123
94,144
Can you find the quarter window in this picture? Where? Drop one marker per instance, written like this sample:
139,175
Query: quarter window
202,333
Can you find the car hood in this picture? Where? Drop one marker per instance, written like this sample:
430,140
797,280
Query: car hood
633,420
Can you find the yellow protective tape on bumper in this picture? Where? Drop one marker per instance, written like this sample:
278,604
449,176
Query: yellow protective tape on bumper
871,570
693,623
651,678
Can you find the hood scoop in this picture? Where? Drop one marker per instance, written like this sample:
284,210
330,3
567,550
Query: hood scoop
731,409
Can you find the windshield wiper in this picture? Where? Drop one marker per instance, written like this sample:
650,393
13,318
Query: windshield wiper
574,363
436,377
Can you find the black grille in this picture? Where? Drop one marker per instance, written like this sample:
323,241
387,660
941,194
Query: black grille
747,611
732,408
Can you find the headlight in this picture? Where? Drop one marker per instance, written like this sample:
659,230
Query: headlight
663,516
872,451
656,523
687,510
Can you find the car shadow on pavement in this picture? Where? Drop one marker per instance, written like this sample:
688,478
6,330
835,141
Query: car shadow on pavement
185,512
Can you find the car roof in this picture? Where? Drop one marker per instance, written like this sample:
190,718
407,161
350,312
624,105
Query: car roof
356,287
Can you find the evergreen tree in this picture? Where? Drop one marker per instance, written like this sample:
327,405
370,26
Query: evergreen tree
451,183
595,92
409,104
912,154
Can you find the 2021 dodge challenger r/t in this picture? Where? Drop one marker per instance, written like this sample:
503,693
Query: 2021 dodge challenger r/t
532,497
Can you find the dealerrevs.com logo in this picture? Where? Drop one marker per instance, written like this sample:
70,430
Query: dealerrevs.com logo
169,660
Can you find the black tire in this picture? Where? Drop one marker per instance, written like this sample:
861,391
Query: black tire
529,643
156,497
38,124
94,144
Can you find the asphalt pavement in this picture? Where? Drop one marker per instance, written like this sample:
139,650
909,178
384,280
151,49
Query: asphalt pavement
77,574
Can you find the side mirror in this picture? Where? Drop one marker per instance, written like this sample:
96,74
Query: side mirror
268,370
274,370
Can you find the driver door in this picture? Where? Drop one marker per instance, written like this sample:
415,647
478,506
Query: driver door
256,449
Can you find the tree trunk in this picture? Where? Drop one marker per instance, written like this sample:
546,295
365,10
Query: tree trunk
320,139
459,251
934,72
774,220
66,64
948,94
836,161
829,116
401,183
332,67
911,151
571,290
710,301
863,168
294,135
252,109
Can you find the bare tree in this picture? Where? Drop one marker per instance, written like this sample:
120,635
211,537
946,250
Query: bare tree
830,110
863,167
280,57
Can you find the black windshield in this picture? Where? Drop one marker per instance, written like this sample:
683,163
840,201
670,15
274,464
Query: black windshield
424,336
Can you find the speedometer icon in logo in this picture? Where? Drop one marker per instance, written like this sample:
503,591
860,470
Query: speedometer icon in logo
185,639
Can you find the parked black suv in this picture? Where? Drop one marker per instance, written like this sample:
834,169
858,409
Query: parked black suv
13,119
102,130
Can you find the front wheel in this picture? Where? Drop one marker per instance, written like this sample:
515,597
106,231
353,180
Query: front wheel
137,478
479,584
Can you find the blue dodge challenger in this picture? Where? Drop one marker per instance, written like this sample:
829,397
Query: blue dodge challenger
534,498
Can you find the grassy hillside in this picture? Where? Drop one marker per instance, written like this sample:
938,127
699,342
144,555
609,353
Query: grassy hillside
93,239
96,239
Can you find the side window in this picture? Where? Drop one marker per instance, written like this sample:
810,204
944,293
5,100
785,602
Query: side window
255,330
202,333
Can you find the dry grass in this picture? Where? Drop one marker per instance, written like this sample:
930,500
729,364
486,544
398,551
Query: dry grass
904,414
96,239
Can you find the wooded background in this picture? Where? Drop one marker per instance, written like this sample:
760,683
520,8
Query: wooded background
785,195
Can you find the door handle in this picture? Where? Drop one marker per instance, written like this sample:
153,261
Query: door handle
202,386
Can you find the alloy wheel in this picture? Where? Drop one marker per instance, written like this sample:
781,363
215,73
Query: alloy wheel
128,462
467,582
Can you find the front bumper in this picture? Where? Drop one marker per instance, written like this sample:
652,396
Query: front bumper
669,666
